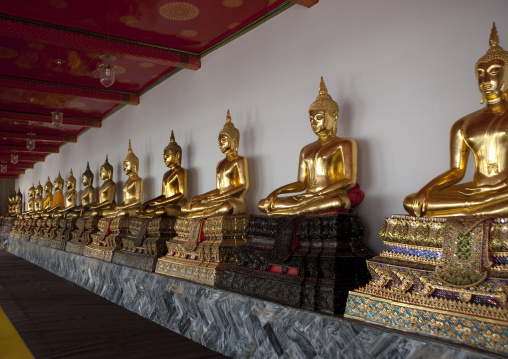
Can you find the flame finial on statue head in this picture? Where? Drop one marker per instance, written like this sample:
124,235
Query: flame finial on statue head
71,178
230,129
173,146
495,51
107,166
88,173
131,157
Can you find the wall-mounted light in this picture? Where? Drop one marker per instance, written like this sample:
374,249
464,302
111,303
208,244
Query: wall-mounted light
3,167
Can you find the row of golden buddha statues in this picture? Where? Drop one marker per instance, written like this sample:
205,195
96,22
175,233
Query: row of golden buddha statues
445,272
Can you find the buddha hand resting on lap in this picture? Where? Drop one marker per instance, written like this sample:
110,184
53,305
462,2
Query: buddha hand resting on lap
484,134
232,179
174,186
326,170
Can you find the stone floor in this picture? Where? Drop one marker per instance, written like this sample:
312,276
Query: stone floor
233,324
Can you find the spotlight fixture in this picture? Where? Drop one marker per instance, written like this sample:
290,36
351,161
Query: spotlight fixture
3,167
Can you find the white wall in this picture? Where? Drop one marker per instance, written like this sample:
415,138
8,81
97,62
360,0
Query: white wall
402,71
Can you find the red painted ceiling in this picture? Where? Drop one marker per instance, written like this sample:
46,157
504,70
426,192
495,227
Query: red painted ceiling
50,49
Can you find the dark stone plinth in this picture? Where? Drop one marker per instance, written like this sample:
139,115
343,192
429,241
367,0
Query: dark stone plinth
145,242
309,262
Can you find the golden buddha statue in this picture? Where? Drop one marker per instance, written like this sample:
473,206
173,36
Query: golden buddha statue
88,194
71,196
18,203
31,201
57,203
482,134
132,189
48,199
38,198
327,167
232,177
107,192
174,186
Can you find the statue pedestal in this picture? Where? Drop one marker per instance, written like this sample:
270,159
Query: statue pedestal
81,237
443,277
203,248
38,228
45,236
17,228
108,239
63,233
28,230
145,242
308,262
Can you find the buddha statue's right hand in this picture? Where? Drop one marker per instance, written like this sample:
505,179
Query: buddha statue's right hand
420,201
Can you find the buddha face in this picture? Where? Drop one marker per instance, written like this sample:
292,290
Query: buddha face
69,184
86,180
128,168
490,78
105,175
31,192
47,188
321,122
226,144
170,159
56,185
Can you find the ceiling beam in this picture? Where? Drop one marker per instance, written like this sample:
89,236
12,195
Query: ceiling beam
13,172
68,90
33,117
38,137
51,34
23,158
23,149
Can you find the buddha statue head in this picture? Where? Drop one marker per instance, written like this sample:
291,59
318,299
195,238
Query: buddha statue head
87,177
59,182
492,70
229,137
172,153
31,191
324,112
48,186
131,162
71,181
39,190
106,171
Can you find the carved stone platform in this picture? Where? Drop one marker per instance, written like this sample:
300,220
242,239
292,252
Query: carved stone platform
81,237
443,277
108,239
203,248
308,262
237,325
145,242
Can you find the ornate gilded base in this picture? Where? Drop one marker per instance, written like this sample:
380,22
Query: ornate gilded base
75,247
443,277
145,242
63,233
203,248
308,262
108,239
44,241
